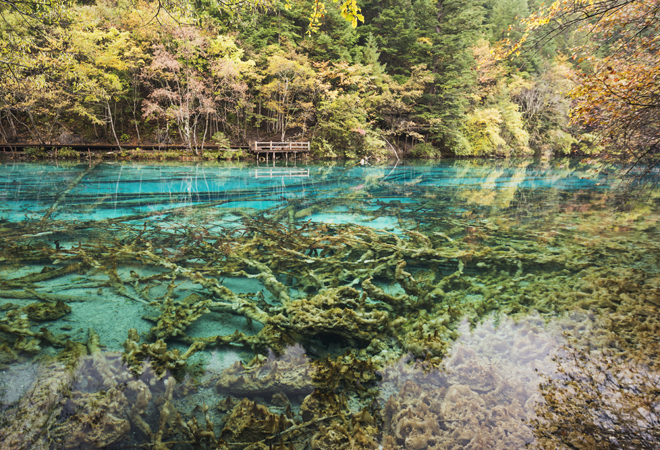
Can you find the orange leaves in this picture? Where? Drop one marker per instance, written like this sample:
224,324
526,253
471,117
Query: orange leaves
617,92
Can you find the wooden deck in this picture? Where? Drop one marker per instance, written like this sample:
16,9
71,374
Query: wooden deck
270,148
113,147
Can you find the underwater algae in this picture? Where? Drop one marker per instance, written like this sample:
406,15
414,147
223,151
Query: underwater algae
433,335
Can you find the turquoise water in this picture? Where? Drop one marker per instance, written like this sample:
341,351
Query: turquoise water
459,304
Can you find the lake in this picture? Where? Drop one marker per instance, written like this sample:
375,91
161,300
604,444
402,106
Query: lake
460,304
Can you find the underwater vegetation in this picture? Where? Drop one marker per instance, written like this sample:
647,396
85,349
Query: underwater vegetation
269,329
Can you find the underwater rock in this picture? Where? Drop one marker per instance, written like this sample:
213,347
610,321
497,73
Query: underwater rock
280,399
100,419
349,372
411,417
8,306
279,290
461,402
269,338
455,266
334,436
397,302
322,403
7,355
56,340
358,432
46,311
484,396
16,323
337,311
456,418
226,405
251,422
600,399
24,425
141,400
291,374
169,419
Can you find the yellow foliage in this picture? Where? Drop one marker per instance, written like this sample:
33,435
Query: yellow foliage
225,47
497,130
516,137
483,131
561,141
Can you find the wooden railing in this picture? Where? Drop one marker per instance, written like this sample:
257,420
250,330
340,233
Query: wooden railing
261,147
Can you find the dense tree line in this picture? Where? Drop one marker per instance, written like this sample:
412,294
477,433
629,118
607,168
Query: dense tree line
416,75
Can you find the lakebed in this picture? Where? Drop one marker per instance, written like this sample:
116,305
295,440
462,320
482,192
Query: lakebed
445,305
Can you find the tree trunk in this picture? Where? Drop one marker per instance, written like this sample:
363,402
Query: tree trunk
112,123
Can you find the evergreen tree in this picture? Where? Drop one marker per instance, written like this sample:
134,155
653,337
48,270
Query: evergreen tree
458,29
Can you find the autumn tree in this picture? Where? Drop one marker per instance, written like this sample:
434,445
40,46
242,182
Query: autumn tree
30,100
618,95
179,95
345,125
105,60
617,91
231,76
288,93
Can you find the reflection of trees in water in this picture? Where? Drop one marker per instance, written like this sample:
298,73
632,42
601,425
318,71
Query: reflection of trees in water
598,401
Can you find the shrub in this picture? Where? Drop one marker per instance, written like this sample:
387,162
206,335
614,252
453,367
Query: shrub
483,132
35,152
214,155
221,140
498,130
67,153
425,151
321,148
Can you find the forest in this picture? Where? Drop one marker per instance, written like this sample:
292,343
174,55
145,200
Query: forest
422,78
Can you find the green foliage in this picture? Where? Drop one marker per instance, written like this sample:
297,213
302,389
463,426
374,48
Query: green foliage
561,142
217,155
35,152
425,150
290,91
67,153
221,140
513,129
496,131
503,17
589,144
415,69
321,148
344,130
483,129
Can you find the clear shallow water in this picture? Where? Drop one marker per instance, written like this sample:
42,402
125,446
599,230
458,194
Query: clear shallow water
461,304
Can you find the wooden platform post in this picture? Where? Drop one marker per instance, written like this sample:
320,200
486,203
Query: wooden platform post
272,148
